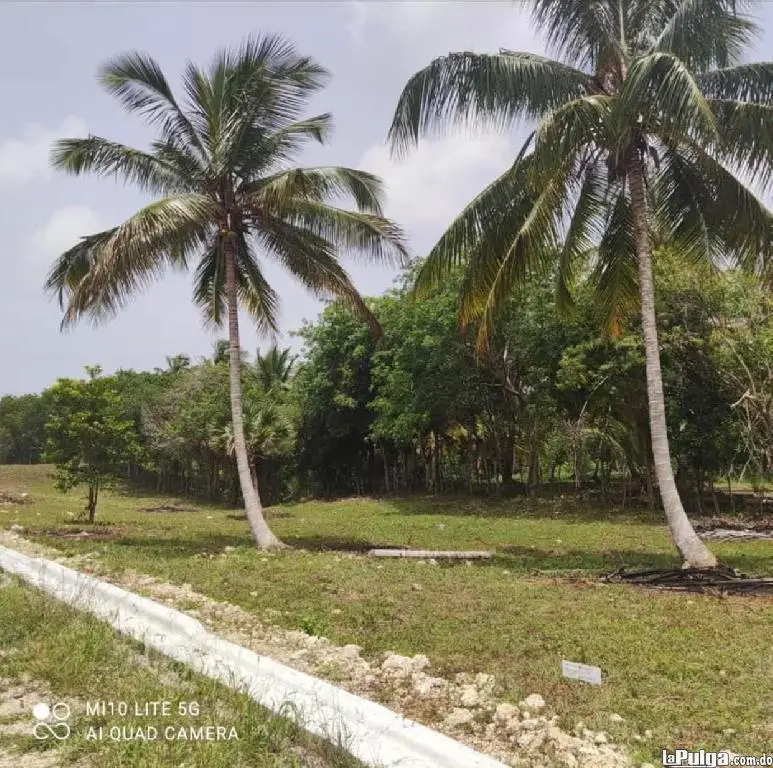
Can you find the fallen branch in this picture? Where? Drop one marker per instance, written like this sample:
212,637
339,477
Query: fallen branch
722,579
429,554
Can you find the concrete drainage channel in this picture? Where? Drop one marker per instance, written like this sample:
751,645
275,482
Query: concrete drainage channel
373,734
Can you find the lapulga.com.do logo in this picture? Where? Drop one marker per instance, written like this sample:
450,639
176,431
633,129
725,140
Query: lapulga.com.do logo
51,721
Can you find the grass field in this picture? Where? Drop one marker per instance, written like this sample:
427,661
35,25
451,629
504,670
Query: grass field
53,654
695,670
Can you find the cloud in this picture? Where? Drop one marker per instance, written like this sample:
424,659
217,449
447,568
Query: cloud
27,158
428,188
416,29
396,18
62,230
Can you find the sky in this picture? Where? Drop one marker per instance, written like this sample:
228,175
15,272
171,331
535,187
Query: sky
49,56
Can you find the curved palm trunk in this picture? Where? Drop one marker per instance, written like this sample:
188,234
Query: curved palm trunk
254,509
694,552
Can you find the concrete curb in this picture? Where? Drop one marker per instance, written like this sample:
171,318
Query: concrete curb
373,734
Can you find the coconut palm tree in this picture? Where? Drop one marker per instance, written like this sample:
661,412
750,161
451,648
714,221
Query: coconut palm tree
227,197
275,367
648,129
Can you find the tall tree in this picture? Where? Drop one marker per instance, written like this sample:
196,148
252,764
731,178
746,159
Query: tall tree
648,126
228,196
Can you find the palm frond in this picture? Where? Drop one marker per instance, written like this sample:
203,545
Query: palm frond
661,89
469,88
267,85
481,227
209,285
587,34
255,294
584,232
125,259
745,138
751,83
615,272
73,266
109,158
514,247
704,34
579,126
321,184
739,219
684,207
266,152
139,83
312,261
364,235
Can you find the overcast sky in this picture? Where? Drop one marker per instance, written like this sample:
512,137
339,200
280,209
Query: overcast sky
49,55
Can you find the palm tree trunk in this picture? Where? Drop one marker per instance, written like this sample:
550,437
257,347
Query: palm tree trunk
694,552
252,506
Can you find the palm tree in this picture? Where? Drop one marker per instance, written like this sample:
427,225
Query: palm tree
221,353
177,363
227,196
275,367
648,129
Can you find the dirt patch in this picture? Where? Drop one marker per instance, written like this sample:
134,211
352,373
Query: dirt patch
735,528
166,508
759,524
736,534
49,759
97,533
12,497
17,699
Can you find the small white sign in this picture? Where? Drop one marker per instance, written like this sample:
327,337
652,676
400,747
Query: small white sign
577,671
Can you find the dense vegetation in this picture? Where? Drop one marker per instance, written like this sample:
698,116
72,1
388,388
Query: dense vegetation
551,402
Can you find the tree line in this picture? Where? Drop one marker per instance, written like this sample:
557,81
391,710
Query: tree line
551,407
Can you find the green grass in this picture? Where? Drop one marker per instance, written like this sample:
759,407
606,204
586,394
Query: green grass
688,667
83,660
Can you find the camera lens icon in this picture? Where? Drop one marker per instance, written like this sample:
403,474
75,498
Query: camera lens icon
59,713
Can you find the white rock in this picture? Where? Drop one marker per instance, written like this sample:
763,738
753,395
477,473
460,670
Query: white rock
396,664
470,696
351,652
229,549
600,738
459,716
531,740
420,661
484,682
18,528
615,718
424,684
534,701
648,734
505,712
